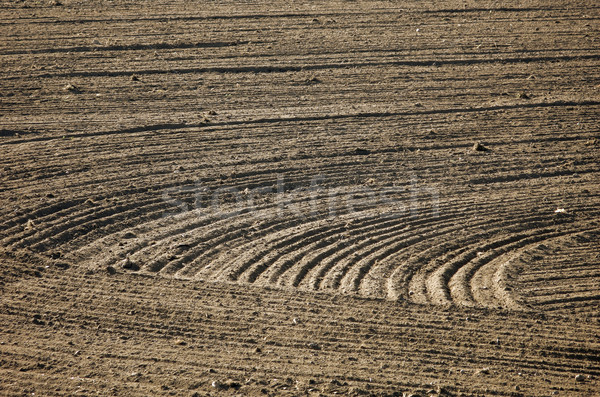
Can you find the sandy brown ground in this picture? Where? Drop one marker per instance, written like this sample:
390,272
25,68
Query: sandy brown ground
286,199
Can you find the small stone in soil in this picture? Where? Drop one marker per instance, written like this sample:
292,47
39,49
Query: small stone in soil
478,147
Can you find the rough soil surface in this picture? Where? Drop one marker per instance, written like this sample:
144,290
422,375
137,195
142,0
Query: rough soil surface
363,198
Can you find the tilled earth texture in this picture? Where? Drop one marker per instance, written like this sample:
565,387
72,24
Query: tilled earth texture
300,198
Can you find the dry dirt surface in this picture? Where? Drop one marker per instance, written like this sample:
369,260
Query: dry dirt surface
300,198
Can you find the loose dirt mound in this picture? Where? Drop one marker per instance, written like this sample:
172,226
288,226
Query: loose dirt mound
364,197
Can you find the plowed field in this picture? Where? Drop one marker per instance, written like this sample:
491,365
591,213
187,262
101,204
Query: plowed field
361,197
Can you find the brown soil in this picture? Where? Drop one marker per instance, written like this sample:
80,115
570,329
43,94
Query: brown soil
291,198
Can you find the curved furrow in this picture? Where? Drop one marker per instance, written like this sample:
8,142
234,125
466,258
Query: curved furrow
51,222
462,249
160,236
478,281
312,232
354,236
325,275
192,220
268,245
436,280
352,275
14,226
546,278
354,239
443,288
198,251
292,257
224,239
348,272
376,258
138,237
70,234
491,283
202,262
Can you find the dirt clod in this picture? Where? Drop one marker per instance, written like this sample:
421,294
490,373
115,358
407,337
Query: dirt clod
361,152
30,225
62,265
130,265
479,147
72,88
